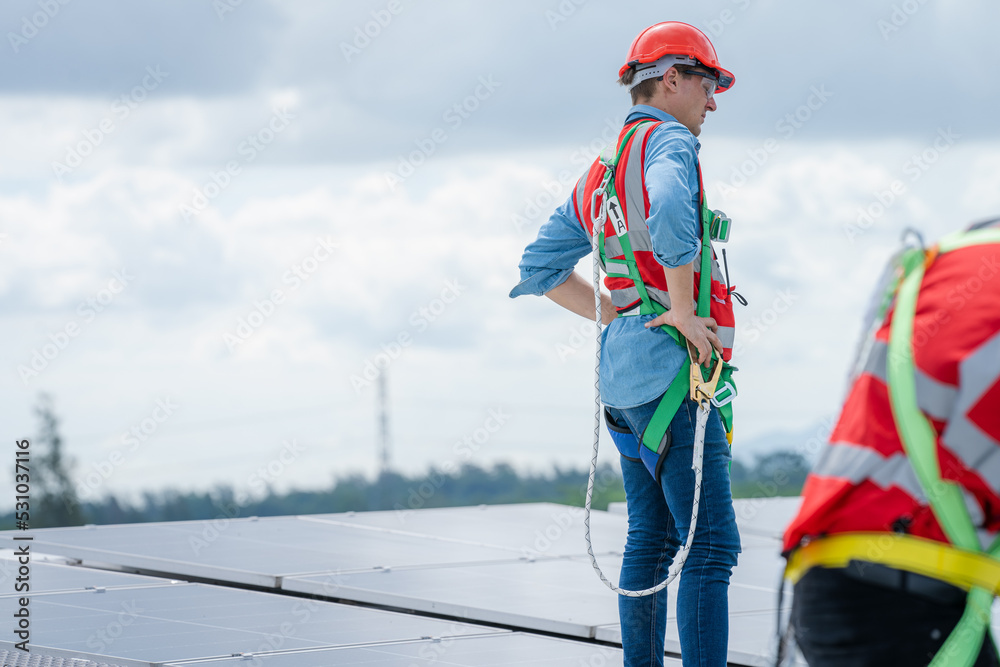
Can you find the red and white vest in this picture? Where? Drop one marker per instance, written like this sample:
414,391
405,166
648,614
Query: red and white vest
863,480
630,184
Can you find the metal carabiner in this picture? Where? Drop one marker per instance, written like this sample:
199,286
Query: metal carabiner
597,219
602,189
702,390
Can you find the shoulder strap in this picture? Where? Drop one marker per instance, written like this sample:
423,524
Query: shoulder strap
679,388
920,444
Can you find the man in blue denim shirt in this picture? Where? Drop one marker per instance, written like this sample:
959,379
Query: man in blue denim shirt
672,73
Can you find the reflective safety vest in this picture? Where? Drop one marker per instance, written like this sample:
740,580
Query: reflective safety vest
911,476
638,284
629,214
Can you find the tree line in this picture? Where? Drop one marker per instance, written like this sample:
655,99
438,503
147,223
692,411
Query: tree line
54,500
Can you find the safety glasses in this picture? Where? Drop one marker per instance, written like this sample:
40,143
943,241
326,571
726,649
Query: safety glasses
711,78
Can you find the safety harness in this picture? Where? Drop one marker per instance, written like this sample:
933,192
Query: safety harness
963,563
714,225
689,380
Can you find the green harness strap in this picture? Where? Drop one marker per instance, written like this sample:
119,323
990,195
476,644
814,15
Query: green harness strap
920,444
680,387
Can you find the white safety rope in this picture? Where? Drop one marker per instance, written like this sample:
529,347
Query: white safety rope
697,454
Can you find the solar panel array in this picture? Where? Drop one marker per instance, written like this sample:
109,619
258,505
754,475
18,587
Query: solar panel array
487,585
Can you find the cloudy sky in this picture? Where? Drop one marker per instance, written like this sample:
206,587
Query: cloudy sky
220,221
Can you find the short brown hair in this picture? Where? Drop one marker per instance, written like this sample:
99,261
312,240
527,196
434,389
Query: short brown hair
647,88
641,92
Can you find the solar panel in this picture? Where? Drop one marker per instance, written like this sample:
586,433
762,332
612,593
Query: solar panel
766,516
561,596
195,621
521,566
512,649
56,578
250,551
530,529
17,658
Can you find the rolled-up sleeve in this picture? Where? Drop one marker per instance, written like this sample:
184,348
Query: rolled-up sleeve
672,184
550,258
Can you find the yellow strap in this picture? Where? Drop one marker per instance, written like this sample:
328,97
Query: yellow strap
958,567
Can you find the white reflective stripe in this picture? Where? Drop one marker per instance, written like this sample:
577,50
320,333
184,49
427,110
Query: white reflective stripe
935,398
612,246
716,270
977,374
616,268
583,200
986,538
975,510
856,464
622,298
633,197
727,335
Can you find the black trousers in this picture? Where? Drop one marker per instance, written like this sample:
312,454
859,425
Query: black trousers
841,620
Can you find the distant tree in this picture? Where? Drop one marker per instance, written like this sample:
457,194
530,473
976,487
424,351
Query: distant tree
469,485
781,473
54,501
739,474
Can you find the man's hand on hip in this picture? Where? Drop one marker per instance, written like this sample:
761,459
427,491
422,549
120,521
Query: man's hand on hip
700,331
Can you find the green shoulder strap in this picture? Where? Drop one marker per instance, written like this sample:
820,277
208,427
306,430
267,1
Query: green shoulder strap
920,444
679,388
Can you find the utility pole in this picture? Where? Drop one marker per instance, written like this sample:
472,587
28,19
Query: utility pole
383,420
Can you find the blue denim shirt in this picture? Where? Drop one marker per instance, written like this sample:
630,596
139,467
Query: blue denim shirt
637,364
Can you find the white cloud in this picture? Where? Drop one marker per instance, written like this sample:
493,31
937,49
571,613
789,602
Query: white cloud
800,244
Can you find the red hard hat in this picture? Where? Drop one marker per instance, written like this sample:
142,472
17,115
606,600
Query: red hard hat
676,38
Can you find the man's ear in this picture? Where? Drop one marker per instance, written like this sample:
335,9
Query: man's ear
671,79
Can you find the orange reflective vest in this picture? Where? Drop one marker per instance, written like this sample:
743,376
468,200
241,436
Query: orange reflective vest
630,184
863,480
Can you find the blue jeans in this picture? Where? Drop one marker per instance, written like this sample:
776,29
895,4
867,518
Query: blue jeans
659,516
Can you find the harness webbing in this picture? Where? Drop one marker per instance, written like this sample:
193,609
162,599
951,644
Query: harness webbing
920,444
963,563
678,389
597,238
